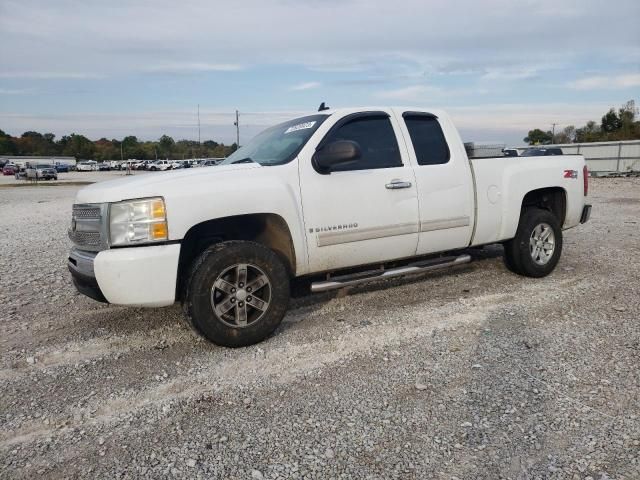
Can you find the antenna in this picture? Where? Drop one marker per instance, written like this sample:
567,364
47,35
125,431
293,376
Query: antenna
323,107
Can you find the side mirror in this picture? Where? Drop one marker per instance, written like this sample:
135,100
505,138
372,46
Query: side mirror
335,153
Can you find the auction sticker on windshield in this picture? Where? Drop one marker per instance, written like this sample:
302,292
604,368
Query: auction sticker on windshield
300,126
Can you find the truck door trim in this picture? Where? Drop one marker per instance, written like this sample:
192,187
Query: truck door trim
336,237
445,223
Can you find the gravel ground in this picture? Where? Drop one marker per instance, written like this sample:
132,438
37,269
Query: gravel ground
470,373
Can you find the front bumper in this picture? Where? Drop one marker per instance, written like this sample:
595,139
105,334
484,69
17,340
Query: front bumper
586,214
138,276
84,279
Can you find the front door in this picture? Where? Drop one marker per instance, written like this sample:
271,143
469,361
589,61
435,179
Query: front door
365,211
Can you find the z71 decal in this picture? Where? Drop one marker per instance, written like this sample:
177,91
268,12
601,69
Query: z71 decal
570,174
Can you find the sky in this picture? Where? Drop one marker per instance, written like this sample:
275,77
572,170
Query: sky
142,67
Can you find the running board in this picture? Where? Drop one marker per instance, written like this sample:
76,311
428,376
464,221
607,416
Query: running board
381,274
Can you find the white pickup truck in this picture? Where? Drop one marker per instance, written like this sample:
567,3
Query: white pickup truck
340,197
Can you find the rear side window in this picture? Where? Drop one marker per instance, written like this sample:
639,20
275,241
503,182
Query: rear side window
377,141
428,140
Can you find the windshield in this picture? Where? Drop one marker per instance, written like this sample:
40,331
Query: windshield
279,144
43,166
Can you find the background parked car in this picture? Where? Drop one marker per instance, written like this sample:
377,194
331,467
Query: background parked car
541,152
61,167
9,169
42,172
87,166
126,164
208,163
510,152
160,165
104,167
21,173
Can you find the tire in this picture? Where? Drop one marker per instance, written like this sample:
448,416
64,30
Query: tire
220,266
530,242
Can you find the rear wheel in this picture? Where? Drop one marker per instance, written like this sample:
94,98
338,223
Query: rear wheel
237,294
537,246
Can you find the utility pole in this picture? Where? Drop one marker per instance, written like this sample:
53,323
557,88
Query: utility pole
198,129
237,124
553,133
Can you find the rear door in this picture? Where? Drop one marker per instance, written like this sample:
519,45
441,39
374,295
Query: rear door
444,181
365,211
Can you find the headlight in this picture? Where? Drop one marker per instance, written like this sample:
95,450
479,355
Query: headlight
138,221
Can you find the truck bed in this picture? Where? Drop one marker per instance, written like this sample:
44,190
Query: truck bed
502,182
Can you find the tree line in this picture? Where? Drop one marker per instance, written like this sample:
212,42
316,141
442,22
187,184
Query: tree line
622,124
76,145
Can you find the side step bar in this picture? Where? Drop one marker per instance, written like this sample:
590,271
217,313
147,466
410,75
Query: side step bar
364,277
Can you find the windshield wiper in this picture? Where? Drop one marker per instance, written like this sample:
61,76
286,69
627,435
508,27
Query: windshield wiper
242,160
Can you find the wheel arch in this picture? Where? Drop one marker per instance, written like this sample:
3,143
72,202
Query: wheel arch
268,229
553,199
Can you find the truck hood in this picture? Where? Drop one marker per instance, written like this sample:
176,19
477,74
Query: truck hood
161,183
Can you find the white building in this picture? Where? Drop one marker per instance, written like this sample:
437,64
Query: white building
21,161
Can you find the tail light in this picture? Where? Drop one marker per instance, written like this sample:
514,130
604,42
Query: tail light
585,175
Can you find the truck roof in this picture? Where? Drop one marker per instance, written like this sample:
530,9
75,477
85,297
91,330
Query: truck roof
346,110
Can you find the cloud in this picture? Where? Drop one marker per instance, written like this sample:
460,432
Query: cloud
16,91
509,122
244,55
511,73
50,75
187,67
111,38
149,125
411,93
306,86
499,122
607,82
427,93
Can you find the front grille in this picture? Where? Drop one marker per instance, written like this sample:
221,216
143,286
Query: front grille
85,239
86,211
88,228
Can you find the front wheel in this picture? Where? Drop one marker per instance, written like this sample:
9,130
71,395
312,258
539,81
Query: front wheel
537,246
237,294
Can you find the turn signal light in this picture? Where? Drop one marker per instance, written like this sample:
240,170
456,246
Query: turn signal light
159,231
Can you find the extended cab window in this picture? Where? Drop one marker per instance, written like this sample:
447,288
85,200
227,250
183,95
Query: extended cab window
427,138
377,142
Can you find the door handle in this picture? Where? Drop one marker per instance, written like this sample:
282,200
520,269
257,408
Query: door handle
395,184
